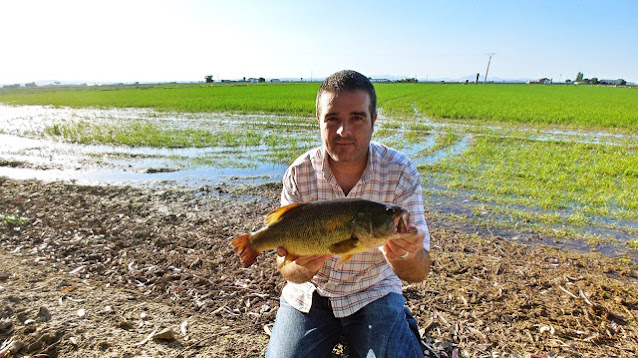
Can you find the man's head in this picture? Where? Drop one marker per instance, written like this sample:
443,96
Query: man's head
346,112
347,80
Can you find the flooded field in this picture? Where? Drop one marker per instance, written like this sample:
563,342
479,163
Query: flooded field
560,186
29,151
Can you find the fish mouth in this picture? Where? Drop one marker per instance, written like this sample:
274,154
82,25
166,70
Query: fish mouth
401,222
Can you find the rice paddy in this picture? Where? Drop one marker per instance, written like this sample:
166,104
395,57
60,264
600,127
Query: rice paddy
551,162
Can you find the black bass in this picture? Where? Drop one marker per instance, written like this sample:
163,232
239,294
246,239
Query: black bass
339,227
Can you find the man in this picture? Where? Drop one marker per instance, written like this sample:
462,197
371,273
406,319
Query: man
360,298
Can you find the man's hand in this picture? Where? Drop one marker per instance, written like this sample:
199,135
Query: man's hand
405,248
408,257
302,269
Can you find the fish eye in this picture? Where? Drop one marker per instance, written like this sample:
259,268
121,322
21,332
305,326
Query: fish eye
390,210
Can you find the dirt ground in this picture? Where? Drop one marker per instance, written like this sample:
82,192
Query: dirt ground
123,272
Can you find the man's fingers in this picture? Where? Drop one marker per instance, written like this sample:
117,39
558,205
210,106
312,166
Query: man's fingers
312,262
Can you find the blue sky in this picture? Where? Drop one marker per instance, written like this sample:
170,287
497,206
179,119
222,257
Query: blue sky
182,40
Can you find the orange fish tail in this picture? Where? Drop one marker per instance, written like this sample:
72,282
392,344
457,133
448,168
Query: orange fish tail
243,248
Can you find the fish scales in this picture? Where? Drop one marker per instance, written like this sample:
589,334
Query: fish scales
310,229
340,227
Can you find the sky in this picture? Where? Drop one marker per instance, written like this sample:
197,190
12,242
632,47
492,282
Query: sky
185,40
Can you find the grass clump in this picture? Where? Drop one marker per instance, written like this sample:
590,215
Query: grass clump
138,134
12,220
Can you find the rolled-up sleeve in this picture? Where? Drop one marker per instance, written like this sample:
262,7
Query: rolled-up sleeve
290,191
409,195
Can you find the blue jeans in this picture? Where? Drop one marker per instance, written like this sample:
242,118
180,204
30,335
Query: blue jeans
383,328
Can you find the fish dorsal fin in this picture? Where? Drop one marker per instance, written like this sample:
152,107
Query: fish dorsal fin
276,214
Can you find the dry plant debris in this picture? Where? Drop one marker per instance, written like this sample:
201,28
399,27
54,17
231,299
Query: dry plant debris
152,274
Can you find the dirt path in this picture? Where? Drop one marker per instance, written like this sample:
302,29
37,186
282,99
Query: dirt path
93,271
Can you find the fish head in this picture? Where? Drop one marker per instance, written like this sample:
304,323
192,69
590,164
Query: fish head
378,222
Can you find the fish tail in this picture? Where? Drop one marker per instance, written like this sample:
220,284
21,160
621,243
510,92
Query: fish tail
247,254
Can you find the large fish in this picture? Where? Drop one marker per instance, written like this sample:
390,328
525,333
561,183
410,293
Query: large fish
339,227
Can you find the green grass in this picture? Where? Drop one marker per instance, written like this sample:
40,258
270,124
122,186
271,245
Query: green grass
575,106
578,106
296,99
138,134
594,180
12,220
443,140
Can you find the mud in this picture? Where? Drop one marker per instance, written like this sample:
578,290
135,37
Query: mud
102,271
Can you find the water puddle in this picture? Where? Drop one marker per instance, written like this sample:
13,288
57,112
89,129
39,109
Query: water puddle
28,152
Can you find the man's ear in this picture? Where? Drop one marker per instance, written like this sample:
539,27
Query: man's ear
374,120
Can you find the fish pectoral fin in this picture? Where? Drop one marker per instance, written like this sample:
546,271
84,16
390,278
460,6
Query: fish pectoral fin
344,246
276,214
344,259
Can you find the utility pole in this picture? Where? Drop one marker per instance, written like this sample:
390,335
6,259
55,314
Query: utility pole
488,66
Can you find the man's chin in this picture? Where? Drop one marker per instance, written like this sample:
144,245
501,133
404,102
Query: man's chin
342,157
345,155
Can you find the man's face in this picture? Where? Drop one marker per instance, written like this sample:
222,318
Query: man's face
346,125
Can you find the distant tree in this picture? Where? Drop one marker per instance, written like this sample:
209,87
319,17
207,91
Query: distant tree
579,77
594,80
209,79
261,79
568,81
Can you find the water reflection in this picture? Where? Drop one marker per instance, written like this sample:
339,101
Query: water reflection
28,152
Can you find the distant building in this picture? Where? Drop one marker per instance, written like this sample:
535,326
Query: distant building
275,80
543,81
618,82
379,80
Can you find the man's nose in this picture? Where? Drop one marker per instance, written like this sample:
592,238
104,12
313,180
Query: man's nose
344,129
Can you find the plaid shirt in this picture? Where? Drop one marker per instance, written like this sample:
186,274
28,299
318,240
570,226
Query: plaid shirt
389,177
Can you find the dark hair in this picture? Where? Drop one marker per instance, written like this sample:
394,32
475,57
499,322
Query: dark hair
348,80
